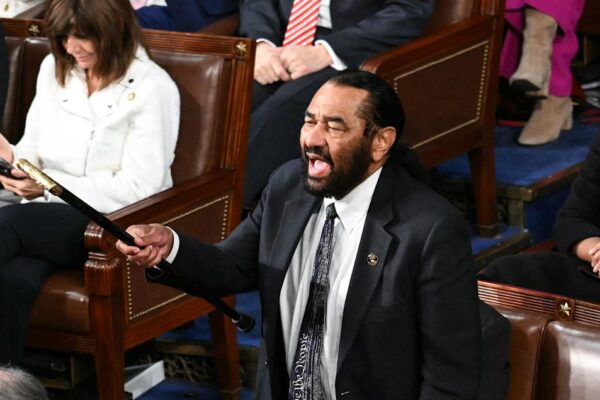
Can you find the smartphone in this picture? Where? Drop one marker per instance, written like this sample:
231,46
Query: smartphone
588,270
5,168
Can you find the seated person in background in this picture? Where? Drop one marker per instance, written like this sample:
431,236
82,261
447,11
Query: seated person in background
539,45
182,15
16,384
104,124
10,8
365,275
3,71
577,235
294,59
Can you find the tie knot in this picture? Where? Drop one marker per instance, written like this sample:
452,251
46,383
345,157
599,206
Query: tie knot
330,211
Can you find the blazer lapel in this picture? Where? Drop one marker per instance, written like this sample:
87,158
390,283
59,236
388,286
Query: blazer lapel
73,98
370,261
293,220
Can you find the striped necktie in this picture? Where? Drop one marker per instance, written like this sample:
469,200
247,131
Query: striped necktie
305,380
302,25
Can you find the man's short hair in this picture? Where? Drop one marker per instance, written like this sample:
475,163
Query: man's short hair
16,384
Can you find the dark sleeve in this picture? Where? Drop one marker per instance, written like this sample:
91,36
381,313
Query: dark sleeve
579,218
226,268
449,314
397,22
3,71
263,19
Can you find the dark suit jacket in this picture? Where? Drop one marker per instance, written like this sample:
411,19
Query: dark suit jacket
411,327
579,218
360,28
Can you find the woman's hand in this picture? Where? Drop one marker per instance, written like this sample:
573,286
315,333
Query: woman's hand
589,250
22,185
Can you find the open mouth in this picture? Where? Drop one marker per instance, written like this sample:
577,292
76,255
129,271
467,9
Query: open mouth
318,166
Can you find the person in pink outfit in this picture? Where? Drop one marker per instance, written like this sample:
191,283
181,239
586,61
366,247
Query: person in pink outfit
539,45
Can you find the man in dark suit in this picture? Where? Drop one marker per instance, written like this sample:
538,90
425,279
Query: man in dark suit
401,318
574,270
286,77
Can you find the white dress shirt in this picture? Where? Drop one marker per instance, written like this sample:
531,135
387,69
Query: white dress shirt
348,228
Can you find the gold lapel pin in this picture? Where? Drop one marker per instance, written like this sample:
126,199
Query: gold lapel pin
131,96
372,259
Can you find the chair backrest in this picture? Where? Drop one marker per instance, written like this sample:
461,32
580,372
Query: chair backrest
527,333
569,362
554,349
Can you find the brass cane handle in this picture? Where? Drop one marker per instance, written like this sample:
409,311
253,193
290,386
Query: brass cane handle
39,177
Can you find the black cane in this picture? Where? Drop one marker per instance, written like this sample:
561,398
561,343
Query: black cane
243,322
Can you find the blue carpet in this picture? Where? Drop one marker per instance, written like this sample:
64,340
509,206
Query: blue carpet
247,303
524,165
180,390
479,243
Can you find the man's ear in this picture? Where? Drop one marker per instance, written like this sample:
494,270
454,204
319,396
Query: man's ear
382,142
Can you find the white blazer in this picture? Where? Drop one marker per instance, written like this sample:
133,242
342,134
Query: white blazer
110,149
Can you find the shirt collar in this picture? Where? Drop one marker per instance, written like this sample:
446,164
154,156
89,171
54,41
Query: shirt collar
352,207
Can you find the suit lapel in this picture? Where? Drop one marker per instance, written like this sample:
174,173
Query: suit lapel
293,220
370,261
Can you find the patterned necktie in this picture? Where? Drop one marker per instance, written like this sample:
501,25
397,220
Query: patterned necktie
302,24
305,382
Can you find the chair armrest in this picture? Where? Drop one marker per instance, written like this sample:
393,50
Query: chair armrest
178,206
431,47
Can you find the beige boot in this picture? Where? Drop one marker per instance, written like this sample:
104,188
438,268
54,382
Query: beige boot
534,67
549,116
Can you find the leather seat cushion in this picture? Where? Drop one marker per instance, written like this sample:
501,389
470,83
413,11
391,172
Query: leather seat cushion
63,304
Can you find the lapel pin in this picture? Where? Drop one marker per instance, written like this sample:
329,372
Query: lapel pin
372,259
131,96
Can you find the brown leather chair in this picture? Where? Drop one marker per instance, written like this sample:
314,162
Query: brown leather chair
569,359
107,307
554,349
447,80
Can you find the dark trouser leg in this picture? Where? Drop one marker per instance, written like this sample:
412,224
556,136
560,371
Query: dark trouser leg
274,131
34,238
550,272
53,232
21,279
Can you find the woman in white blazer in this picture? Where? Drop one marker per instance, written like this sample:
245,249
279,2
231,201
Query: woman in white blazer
104,124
